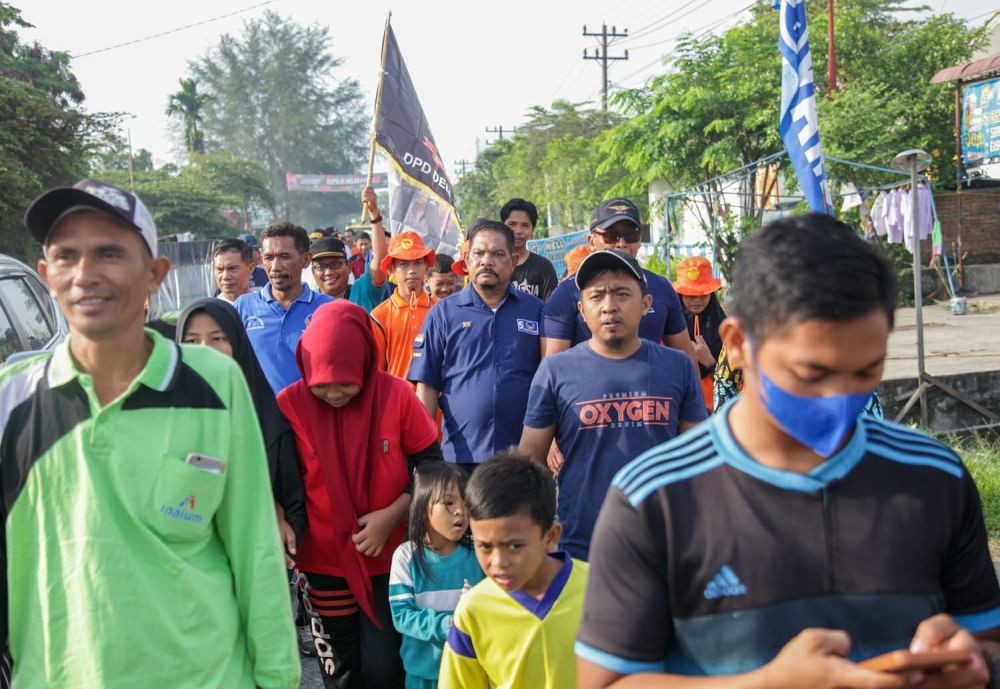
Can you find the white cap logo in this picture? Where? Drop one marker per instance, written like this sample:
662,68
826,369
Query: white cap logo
110,195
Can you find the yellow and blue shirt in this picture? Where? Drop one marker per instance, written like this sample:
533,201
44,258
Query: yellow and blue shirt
118,554
506,640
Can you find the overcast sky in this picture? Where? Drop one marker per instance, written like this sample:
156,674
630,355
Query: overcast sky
475,64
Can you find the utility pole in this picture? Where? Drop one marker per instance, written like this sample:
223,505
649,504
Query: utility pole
602,55
464,164
831,60
499,131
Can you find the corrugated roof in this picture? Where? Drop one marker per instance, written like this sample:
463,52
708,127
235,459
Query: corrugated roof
968,70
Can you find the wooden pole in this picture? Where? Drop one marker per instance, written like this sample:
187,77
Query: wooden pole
378,106
831,66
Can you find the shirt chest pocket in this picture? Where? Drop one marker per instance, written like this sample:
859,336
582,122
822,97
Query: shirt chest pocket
183,501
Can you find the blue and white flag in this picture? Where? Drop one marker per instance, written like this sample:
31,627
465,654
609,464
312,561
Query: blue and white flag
798,123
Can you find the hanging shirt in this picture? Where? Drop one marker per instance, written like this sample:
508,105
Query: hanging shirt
878,216
894,216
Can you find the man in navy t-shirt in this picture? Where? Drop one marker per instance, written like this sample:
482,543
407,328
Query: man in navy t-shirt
608,399
615,224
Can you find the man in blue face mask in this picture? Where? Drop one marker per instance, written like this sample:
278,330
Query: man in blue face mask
790,536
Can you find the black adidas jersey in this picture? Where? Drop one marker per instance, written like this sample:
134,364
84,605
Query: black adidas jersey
706,562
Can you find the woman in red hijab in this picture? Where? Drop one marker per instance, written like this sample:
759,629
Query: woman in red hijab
356,428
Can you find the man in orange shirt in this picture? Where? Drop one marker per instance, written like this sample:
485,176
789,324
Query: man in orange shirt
398,319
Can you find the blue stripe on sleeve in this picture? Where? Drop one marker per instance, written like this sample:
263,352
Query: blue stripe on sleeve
980,621
460,642
612,662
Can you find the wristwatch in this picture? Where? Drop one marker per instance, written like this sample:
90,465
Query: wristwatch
993,665
375,221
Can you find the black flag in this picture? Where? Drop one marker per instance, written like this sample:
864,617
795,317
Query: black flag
421,195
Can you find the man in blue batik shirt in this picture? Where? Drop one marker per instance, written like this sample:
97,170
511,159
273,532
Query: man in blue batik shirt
477,352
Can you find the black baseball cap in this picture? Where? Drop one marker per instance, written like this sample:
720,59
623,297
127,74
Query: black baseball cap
611,211
90,194
604,260
328,246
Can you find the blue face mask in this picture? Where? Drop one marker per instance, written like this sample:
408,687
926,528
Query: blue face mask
819,423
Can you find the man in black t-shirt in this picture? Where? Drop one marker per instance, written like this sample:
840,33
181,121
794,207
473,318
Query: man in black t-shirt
790,537
533,274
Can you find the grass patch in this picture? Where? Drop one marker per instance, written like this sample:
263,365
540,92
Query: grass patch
982,456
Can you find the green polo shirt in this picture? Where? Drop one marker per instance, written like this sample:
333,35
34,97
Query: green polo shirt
126,566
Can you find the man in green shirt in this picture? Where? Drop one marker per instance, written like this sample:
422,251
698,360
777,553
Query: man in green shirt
139,543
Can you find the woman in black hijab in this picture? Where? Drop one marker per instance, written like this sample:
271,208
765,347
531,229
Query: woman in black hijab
697,288
215,323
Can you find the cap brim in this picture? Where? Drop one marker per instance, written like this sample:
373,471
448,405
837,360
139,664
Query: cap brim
700,289
324,254
605,224
46,209
458,268
412,255
601,261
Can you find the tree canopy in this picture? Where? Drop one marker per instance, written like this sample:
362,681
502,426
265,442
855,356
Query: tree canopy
273,99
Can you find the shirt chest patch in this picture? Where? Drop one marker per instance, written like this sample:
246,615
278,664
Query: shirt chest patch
526,326
253,323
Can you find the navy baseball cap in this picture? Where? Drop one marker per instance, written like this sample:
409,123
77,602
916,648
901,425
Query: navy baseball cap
250,239
90,194
611,211
604,260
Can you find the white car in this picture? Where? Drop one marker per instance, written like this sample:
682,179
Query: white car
30,320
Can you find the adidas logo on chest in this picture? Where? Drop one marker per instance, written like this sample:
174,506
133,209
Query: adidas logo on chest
725,583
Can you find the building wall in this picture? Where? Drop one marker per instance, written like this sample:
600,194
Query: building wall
980,223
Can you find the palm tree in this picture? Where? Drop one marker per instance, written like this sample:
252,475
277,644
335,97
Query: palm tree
187,104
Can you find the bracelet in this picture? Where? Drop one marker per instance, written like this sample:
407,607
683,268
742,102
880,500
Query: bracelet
375,221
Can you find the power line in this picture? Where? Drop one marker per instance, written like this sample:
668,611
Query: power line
173,31
658,24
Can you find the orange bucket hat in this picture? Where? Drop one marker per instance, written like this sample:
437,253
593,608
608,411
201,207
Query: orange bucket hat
694,277
458,267
406,246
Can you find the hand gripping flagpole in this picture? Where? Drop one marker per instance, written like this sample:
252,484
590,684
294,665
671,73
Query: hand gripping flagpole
378,108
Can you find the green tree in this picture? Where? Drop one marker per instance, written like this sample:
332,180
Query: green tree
187,105
243,182
274,100
716,109
45,140
554,160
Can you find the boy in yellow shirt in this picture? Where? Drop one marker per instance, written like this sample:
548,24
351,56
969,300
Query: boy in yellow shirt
516,627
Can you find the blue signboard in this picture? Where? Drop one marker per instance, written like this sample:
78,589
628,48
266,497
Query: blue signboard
555,248
981,123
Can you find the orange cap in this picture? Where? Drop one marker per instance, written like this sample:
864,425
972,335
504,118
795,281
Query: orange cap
406,246
694,277
575,256
458,267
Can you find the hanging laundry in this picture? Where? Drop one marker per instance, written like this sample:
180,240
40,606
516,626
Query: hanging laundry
852,199
878,214
893,216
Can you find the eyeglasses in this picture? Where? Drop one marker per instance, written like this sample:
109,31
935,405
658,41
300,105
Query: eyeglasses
631,236
329,266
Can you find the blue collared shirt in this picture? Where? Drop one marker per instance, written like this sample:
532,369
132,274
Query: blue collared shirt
482,363
274,332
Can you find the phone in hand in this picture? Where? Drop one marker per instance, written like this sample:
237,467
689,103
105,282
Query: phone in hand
212,465
905,661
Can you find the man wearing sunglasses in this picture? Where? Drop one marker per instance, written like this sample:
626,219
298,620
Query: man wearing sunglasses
615,224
